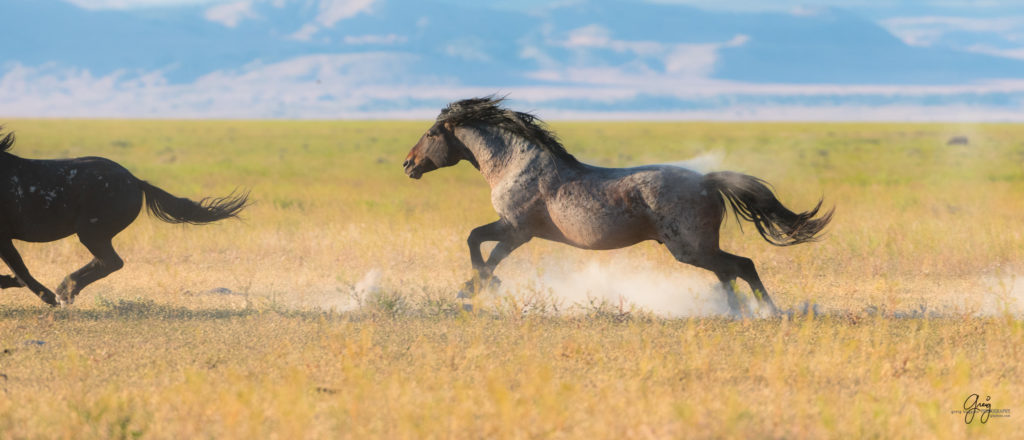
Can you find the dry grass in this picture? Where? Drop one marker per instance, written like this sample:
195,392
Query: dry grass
925,237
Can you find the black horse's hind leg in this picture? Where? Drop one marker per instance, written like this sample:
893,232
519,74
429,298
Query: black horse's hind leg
106,261
13,259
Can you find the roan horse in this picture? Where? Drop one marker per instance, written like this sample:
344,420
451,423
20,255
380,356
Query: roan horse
540,190
46,200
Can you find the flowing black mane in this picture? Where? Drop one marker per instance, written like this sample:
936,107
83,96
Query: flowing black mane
488,110
6,142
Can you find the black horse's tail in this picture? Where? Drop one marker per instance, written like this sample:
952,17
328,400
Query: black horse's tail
171,209
752,200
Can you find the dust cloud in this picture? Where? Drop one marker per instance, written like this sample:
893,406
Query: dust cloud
568,287
1004,296
702,163
621,285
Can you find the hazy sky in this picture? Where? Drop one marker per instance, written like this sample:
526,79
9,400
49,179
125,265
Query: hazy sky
666,59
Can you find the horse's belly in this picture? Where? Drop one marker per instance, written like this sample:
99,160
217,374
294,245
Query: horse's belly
40,225
37,234
38,229
602,230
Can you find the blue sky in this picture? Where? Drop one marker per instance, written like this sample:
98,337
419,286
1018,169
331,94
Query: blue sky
583,59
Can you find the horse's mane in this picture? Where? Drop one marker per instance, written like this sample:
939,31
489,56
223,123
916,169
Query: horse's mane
488,110
6,142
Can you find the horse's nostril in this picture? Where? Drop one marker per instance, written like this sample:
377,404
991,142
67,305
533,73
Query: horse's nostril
406,163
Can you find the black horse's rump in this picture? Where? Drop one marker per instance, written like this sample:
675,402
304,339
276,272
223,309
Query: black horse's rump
93,197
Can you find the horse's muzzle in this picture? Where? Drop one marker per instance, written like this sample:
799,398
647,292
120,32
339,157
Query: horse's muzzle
411,169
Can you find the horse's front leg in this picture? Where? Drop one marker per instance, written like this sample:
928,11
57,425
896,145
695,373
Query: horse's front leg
10,256
489,232
7,281
502,250
483,275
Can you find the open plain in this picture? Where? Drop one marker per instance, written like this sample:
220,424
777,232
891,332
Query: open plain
329,310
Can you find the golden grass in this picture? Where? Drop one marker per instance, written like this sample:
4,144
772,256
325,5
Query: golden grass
925,236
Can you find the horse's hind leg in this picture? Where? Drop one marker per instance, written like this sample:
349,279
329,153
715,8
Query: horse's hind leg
689,254
728,285
13,259
728,267
106,261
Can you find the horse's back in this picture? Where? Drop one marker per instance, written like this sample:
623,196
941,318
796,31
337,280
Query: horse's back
88,179
51,199
607,208
652,185
670,184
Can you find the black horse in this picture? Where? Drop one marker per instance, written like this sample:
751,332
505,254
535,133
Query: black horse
46,200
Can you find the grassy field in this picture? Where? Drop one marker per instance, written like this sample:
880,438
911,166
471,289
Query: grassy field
329,310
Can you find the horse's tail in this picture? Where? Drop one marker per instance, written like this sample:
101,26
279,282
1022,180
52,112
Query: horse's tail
752,200
171,209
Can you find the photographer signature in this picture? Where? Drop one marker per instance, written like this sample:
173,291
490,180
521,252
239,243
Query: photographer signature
972,407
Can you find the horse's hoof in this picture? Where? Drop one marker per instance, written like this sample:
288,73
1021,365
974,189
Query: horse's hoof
477,285
50,300
63,299
767,310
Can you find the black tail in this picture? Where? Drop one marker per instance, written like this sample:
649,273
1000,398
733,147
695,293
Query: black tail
171,209
753,200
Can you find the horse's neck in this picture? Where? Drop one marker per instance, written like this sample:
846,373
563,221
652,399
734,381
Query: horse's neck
8,160
502,156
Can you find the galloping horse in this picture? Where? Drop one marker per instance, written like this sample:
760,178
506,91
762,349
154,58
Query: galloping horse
46,200
540,190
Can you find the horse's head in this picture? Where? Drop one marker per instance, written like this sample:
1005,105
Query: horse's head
437,148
